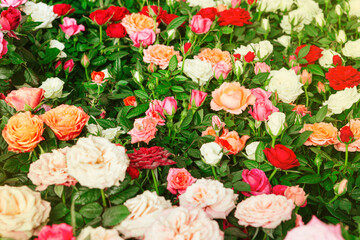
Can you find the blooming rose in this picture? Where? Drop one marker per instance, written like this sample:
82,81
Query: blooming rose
156,111
160,55
116,30
231,141
70,27
211,153
159,12
301,110
150,158
351,49
210,195
197,98
12,3
315,229
118,13
10,20
354,8
66,121
199,71
296,194
101,16
53,87
144,210
63,9
184,223
262,50
98,233
323,134
259,183
341,77
23,132
273,6
232,98
214,56
276,123
262,109
355,129
144,130
18,99
130,101
143,38
95,162
266,211
50,169
235,17
40,12
137,22
250,150
313,55
342,100
22,212
222,69
286,84
281,157
209,12
178,180
279,189
3,45
326,60
200,25
56,231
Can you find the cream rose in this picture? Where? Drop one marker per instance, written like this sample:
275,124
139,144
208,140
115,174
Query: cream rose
274,5
201,3
326,60
40,12
211,153
354,8
199,71
342,100
262,50
60,46
98,233
22,211
284,40
53,87
352,49
286,25
251,150
95,162
276,123
110,133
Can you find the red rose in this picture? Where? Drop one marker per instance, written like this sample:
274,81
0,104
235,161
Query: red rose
346,135
237,56
10,20
187,46
249,57
279,190
150,158
63,9
342,77
159,12
281,157
337,61
209,12
133,172
101,16
234,16
168,18
313,55
116,30
130,101
118,13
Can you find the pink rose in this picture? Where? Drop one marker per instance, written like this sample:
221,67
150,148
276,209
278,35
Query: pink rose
292,60
279,189
259,183
235,3
222,69
314,230
56,231
30,96
169,105
156,111
216,123
69,65
262,109
178,180
260,94
197,98
296,194
200,25
70,27
262,67
12,3
144,38
3,45
296,69
144,130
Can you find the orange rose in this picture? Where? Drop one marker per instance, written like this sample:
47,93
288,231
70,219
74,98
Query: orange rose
232,98
23,132
160,55
30,96
209,131
214,56
98,77
66,121
232,142
137,22
323,134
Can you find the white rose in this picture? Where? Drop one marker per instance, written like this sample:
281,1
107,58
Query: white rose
284,40
98,233
320,20
199,71
262,50
275,124
286,83
212,153
338,10
53,87
201,3
251,149
274,5
354,8
138,78
265,24
97,163
144,210
285,5
308,9
342,100
60,46
341,37
286,25
326,60
111,133
22,211
352,49
238,68
40,12
106,73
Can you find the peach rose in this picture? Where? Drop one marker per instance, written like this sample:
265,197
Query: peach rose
209,131
214,56
323,134
23,132
355,129
137,22
160,55
179,179
66,121
232,98
144,130
296,194
232,142
30,96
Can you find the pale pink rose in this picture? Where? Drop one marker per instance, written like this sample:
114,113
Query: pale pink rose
315,230
261,67
51,169
216,123
25,96
3,45
342,186
262,109
259,183
184,223
56,231
160,55
169,105
297,194
144,130
179,179
296,69
261,94
235,3
200,25
143,38
266,211
222,69
70,27
12,3
210,195
197,98
156,111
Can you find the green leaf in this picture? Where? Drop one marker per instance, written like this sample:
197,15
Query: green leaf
121,197
6,109
100,60
58,189
242,186
316,70
177,22
187,120
114,215
321,114
310,179
59,211
28,26
177,89
117,55
141,94
260,78
30,77
259,153
302,139
304,51
137,110
311,30
5,73
86,196
50,55
173,63
226,30
117,69
250,164
91,210
236,232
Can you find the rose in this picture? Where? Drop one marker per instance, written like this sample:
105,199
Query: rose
323,134
10,20
143,38
18,99
337,61
111,133
261,67
273,6
286,84
56,231
297,195
352,49
216,123
98,233
160,55
98,77
69,65
250,150
301,110
197,98
279,189
346,135
249,57
63,9
235,17
259,183
199,71
211,153
262,50
341,37
116,30
306,77
158,11
354,8
150,158
342,77
262,109
40,12
200,25
179,179
137,22
118,13
232,98
222,69
22,212
236,3
3,45
101,17
168,18
214,56
70,27
61,47
130,101
355,145
281,157
12,3
313,55
156,111
341,187
169,105
209,12
231,141
284,40
66,121
276,124
261,94
144,209
201,3
53,87
210,195
342,100
144,130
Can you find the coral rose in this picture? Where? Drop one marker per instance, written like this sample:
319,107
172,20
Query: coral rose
214,56
23,132
232,98
323,134
178,180
137,22
30,96
160,55
259,183
144,130
66,121
232,142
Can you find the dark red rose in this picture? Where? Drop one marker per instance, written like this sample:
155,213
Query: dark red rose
63,9
237,56
342,77
133,172
209,12
2,96
150,158
234,16
101,17
346,135
10,20
116,30
281,157
337,61
187,46
118,13
279,189
313,55
159,12
249,57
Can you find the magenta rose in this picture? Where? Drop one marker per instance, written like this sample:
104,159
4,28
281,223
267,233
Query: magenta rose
56,231
259,183
169,105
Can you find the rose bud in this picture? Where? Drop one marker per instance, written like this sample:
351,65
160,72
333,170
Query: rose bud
296,194
337,61
69,66
306,77
58,66
321,87
237,56
187,46
70,27
341,187
200,25
211,153
133,172
85,62
346,135
216,123
275,124
197,98
249,57
169,105
235,3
